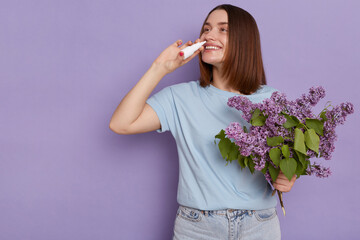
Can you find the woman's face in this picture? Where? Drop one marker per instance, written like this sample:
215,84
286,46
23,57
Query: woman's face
216,36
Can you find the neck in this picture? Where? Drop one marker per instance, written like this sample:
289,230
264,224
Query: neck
220,82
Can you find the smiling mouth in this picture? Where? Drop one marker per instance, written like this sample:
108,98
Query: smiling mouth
212,48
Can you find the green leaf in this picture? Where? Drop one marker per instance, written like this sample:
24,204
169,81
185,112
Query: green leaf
304,167
251,165
285,151
288,167
312,140
265,168
301,125
221,134
228,149
257,119
225,146
241,161
274,154
274,141
301,158
315,124
291,121
323,116
300,170
246,160
307,164
245,129
299,142
274,172
234,152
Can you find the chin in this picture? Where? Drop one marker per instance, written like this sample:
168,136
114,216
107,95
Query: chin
211,61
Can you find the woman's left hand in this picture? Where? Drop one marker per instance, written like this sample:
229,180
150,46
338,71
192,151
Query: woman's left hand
283,184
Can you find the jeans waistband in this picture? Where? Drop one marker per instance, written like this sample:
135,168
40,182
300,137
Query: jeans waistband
223,212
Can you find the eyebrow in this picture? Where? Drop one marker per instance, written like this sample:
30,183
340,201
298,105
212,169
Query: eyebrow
219,23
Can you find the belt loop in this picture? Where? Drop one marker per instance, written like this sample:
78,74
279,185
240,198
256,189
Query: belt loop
228,213
205,213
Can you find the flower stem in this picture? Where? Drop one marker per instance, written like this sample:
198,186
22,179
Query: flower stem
280,198
281,201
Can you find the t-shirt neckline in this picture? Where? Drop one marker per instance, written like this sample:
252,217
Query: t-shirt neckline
230,94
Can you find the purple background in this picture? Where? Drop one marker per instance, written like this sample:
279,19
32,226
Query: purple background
65,66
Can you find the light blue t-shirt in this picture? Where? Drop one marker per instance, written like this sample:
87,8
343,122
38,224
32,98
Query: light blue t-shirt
194,115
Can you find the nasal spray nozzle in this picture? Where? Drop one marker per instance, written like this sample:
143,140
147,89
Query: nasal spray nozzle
188,51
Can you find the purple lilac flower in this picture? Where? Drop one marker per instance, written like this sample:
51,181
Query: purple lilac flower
347,108
315,94
301,107
335,117
242,104
267,176
311,153
279,98
234,130
254,142
319,171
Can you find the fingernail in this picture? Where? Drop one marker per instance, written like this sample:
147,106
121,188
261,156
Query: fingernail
181,54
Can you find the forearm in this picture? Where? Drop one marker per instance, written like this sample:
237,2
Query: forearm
132,105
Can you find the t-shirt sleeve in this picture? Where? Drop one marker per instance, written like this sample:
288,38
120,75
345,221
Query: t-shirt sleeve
163,104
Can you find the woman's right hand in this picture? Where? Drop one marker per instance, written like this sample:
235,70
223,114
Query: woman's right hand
171,58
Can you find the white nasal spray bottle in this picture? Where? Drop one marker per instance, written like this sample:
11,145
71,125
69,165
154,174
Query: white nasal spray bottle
188,51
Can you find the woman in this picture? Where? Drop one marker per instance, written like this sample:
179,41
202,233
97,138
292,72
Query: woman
216,202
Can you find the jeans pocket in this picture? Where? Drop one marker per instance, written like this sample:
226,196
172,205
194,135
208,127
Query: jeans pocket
189,214
266,214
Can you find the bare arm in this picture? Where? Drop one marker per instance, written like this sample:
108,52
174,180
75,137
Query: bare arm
133,115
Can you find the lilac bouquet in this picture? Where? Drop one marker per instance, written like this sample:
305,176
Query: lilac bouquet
283,135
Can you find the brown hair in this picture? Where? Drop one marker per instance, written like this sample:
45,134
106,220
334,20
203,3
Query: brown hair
243,65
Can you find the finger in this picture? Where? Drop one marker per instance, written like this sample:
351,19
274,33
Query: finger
283,181
199,50
284,186
192,56
189,43
180,57
178,43
197,40
282,176
281,188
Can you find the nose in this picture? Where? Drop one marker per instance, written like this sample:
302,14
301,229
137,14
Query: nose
211,35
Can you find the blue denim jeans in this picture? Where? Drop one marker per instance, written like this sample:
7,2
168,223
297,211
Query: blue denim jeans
229,224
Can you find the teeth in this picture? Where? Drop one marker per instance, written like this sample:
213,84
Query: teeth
211,47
